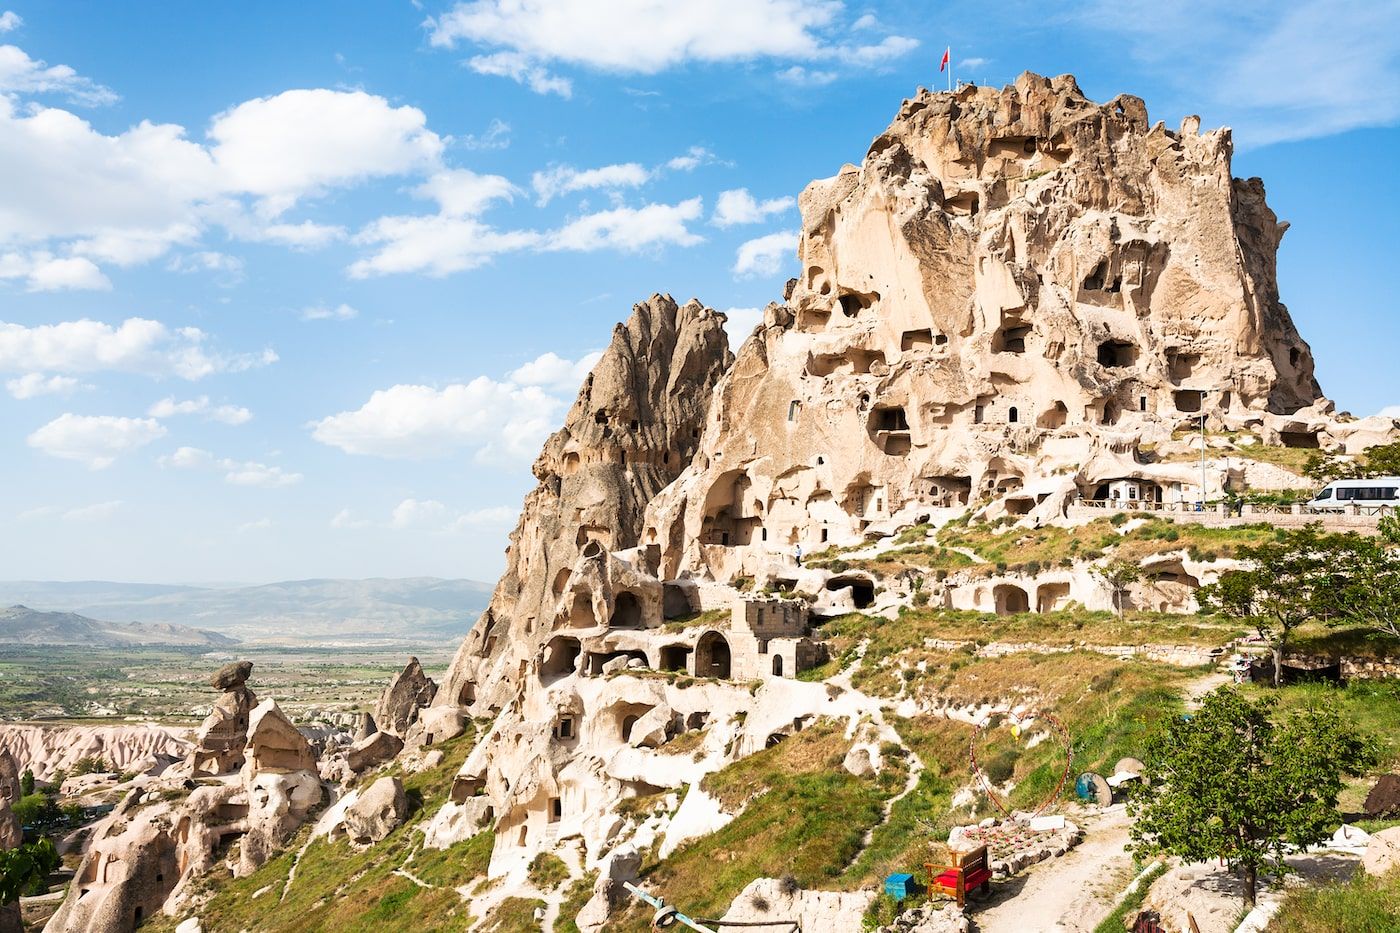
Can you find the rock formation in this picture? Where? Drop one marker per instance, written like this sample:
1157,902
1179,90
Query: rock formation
220,741
281,781
1019,300
46,750
379,810
409,692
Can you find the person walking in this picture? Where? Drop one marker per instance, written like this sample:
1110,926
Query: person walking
797,553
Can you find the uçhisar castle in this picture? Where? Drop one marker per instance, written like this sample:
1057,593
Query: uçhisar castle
1022,302
1020,299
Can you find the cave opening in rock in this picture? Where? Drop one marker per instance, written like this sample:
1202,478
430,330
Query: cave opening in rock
712,656
627,611
862,589
1116,354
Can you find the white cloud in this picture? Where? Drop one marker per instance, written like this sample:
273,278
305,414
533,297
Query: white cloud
10,21
412,512
257,474
695,157
341,312
416,421
228,414
879,55
20,74
261,524
346,519
974,62
99,511
739,323
807,77
644,36
227,269
521,70
739,207
631,229
95,440
434,244
1274,73
564,179
431,515
552,371
868,21
462,193
497,136
44,272
236,472
1389,411
33,385
300,142
136,345
766,254
305,235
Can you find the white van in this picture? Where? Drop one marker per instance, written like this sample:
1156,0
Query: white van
1337,495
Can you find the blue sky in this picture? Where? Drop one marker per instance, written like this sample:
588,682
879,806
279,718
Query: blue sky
293,290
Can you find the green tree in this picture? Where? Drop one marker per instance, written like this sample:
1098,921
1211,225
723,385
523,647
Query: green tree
1285,583
26,783
1368,581
1229,783
1118,575
23,870
1382,460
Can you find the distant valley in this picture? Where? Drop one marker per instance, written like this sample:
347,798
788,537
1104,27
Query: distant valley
327,612
20,625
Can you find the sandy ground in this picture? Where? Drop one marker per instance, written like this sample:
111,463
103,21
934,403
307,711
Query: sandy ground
1070,893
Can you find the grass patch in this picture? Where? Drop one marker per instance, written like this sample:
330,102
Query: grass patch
548,871
578,894
512,915
1117,921
1363,903
697,620
802,815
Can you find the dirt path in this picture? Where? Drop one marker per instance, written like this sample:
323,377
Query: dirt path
1071,893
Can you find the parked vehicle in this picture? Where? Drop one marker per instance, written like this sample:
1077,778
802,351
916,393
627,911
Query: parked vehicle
1339,494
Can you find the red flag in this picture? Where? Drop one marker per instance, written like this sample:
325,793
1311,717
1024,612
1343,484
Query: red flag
943,65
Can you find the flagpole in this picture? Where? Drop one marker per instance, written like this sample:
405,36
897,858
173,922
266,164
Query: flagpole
949,53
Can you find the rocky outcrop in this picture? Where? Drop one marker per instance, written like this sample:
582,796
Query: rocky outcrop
46,750
1382,854
222,736
379,810
407,693
282,784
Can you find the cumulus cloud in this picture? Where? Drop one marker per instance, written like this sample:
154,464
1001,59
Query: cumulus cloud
228,414
341,312
503,420
739,207
417,421
94,440
765,255
136,346
20,74
552,371
300,142
346,519
236,472
10,21
563,179
463,193
739,323
631,228
695,157
434,244
227,270
33,385
44,272
431,515
649,36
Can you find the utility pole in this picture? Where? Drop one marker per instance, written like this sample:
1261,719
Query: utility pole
1203,449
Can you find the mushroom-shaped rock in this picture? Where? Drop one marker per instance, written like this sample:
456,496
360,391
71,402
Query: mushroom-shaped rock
380,809
407,693
232,676
377,749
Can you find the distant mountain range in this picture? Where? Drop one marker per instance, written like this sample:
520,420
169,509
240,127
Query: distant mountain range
20,625
294,612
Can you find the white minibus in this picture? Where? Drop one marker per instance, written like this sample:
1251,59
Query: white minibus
1337,495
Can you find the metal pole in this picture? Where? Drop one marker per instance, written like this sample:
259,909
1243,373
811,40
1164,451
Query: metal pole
665,916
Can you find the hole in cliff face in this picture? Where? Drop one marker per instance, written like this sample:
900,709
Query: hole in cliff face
712,657
1116,354
1098,280
889,429
571,464
963,204
675,657
862,589
1054,417
467,695
1181,365
1187,400
853,303
627,611
1010,599
1304,439
581,611
561,580
1012,415
675,602
1051,597
916,340
1011,339
1295,356
559,658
